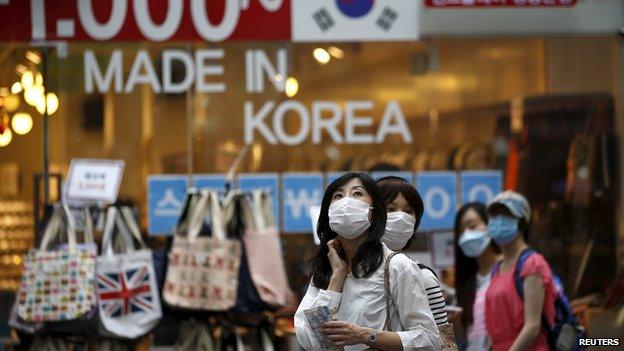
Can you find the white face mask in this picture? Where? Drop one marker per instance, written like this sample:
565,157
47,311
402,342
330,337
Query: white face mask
399,229
348,217
473,242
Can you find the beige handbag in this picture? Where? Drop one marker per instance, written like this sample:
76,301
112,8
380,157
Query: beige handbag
203,270
447,334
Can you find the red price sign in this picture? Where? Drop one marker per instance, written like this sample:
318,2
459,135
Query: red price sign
498,3
153,20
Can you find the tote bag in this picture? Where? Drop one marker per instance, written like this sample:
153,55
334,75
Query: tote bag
59,285
237,213
127,291
203,270
161,256
264,254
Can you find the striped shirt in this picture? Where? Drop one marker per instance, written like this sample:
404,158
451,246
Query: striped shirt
437,303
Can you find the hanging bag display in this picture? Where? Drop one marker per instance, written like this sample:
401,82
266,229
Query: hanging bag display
203,270
127,291
58,285
264,253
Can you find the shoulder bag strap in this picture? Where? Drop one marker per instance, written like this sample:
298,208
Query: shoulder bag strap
423,266
518,281
524,255
387,293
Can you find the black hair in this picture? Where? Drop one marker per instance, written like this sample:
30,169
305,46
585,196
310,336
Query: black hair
369,255
392,186
466,267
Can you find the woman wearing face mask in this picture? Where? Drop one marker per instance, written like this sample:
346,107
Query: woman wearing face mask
348,276
405,209
475,255
515,323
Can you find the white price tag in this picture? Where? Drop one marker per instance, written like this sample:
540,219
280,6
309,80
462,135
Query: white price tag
94,180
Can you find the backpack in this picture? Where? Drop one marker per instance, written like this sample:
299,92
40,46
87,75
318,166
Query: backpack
564,335
422,266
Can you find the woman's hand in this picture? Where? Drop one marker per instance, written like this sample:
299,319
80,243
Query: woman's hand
338,265
343,333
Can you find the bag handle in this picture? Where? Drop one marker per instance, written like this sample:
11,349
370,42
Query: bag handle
54,225
51,228
262,210
114,220
207,204
128,217
230,203
267,343
87,230
190,202
204,339
387,294
240,346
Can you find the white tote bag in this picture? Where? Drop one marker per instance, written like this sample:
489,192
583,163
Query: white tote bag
126,284
203,270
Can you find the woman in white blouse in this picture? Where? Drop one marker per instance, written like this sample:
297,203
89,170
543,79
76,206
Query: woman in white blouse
348,277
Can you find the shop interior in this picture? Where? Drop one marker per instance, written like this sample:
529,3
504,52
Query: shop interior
544,110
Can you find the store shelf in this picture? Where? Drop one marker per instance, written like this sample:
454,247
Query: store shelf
16,237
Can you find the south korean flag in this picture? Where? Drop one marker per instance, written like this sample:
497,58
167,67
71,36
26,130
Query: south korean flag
354,20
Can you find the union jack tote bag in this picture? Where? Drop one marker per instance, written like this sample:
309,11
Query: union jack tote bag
129,303
58,285
203,270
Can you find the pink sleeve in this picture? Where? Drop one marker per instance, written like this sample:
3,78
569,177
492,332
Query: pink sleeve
536,264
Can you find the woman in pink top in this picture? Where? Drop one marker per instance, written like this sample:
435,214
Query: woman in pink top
514,323
475,255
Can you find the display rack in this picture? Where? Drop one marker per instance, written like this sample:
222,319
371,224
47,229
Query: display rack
16,237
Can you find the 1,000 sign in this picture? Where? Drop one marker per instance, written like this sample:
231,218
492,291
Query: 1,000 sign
152,31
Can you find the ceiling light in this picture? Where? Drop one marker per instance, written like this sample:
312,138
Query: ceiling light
11,102
22,123
28,80
20,69
6,137
292,87
321,55
16,88
53,103
336,52
39,79
33,57
34,95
